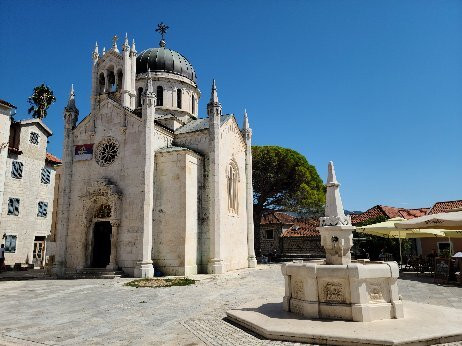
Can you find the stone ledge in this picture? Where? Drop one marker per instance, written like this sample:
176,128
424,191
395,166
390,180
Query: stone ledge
423,325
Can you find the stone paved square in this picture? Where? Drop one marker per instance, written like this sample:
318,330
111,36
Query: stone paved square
99,312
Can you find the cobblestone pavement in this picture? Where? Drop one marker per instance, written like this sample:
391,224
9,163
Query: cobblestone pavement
97,312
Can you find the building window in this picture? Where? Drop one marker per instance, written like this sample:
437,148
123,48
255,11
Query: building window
42,209
232,176
16,169
270,234
178,98
34,138
140,93
10,243
46,174
160,96
193,104
13,206
106,151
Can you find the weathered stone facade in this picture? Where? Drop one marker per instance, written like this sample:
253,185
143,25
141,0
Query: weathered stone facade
27,180
145,182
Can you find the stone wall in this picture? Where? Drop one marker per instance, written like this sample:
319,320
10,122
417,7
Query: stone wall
303,245
233,225
176,225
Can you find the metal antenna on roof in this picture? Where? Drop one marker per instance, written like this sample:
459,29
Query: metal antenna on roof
162,29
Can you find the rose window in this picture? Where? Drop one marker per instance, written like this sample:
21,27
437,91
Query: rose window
107,152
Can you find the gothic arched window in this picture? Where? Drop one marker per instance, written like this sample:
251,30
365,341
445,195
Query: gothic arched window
178,98
160,96
102,83
232,179
140,92
193,104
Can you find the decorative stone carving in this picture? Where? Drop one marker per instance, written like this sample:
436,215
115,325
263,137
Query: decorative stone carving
106,151
333,292
343,220
298,289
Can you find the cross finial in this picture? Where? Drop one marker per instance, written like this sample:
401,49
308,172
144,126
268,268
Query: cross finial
162,29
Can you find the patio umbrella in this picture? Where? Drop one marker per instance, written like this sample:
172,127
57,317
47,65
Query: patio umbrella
387,229
450,221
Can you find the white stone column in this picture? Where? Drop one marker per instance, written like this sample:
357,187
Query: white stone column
247,132
145,268
114,234
71,114
215,265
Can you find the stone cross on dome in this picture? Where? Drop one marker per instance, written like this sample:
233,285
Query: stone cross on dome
162,29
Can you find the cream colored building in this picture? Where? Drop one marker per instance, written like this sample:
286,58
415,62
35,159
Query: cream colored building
27,179
146,182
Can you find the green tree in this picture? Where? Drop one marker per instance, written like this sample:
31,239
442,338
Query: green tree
40,100
284,180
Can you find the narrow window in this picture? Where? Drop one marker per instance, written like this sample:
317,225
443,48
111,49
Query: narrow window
46,174
160,96
10,243
178,98
13,206
193,104
34,138
102,83
16,169
269,234
232,187
42,209
140,92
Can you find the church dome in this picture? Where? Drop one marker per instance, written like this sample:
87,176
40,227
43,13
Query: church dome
165,60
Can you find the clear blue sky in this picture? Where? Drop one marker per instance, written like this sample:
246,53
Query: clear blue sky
375,86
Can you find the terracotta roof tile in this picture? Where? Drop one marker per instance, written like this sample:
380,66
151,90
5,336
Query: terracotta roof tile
277,217
388,213
53,159
303,228
413,213
444,207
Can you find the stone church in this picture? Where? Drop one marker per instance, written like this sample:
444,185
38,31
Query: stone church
146,182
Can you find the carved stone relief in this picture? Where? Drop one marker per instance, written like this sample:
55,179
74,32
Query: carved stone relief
333,292
298,291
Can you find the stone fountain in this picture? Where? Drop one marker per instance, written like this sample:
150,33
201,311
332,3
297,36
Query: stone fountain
337,287
338,301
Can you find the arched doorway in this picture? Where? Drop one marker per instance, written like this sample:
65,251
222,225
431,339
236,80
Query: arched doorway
101,253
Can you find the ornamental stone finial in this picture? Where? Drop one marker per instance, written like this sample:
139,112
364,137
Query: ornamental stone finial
126,46
162,29
214,93
114,44
246,120
95,54
71,101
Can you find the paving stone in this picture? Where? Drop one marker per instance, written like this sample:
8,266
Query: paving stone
95,312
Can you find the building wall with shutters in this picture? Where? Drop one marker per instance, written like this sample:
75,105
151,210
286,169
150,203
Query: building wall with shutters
27,186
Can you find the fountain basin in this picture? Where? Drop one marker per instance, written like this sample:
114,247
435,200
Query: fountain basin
360,291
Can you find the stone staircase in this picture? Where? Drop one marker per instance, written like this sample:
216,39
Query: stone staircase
95,273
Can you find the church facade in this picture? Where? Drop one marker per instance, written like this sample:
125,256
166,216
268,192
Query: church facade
146,183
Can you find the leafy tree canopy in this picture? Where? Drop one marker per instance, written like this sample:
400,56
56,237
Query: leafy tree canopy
284,180
40,100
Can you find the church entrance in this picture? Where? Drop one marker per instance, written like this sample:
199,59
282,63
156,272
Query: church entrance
101,244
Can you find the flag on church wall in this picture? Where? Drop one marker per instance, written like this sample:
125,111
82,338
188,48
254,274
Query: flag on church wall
83,152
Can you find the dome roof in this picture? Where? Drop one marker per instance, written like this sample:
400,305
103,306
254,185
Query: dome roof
164,60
